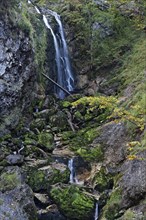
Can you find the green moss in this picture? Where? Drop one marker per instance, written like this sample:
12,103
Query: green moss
117,178
78,115
128,215
111,209
38,123
83,138
72,202
3,163
59,120
91,154
66,104
59,176
29,141
37,180
29,23
46,139
67,135
42,179
102,180
9,181
5,137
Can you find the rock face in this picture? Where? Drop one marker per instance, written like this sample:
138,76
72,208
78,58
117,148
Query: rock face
16,198
113,136
134,181
16,73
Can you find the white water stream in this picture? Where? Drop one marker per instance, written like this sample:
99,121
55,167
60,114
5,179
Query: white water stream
96,212
64,72
73,178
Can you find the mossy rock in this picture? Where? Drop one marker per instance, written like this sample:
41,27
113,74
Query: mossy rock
59,120
78,115
73,203
42,179
59,176
29,141
81,140
9,179
38,123
130,215
102,180
37,180
91,154
68,135
46,139
112,208
3,163
5,137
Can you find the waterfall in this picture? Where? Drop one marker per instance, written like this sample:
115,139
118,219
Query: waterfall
96,212
64,72
60,93
64,55
71,168
38,11
73,178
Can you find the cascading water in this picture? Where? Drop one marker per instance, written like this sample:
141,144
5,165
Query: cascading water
73,178
71,168
64,72
68,80
96,212
58,60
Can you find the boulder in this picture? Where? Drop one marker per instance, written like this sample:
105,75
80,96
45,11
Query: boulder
16,197
133,182
73,203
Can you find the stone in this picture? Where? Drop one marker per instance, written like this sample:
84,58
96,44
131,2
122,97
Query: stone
15,159
133,182
43,198
82,81
16,197
113,138
73,203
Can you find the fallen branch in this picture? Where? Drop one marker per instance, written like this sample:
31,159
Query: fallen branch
57,84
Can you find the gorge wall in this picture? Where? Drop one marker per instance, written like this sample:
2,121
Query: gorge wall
17,70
